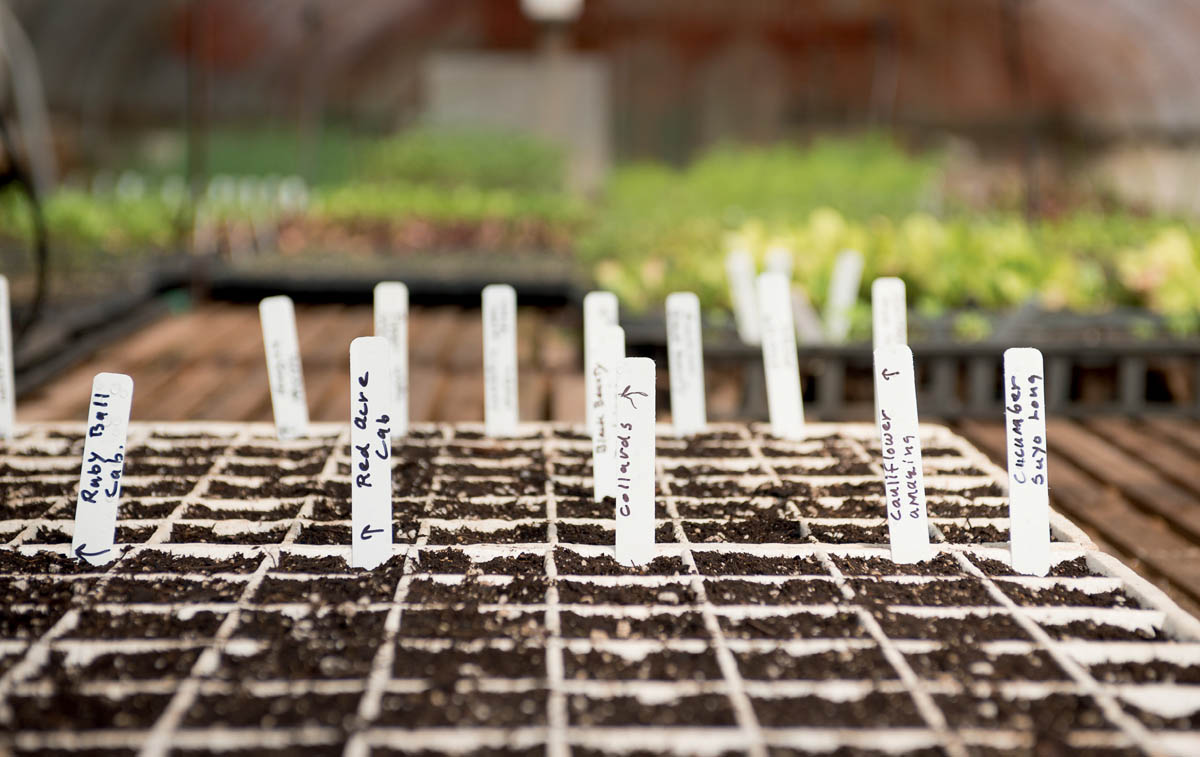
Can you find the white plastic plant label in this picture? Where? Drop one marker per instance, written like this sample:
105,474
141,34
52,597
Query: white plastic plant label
391,323
370,452
739,267
103,465
499,360
8,404
903,477
779,260
635,461
1028,483
889,312
604,402
285,372
843,293
808,324
599,311
780,364
685,356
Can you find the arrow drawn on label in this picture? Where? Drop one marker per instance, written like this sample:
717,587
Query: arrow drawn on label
81,554
887,375
368,532
626,394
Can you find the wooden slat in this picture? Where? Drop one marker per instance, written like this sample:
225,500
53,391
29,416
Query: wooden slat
533,395
1185,432
567,398
1150,448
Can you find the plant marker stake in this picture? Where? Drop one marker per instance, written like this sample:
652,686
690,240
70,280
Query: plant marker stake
612,346
889,319
903,477
739,267
1028,483
103,464
808,324
499,360
599,310
285,372
685,363
779,260
391,323
635,461
780,364
843,293
370,452
8,410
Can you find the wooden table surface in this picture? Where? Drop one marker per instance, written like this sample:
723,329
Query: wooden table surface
1133,485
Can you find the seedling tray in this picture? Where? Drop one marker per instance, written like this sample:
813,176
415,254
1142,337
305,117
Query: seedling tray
771,621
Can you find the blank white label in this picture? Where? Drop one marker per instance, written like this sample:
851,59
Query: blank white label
779,260
370,452
604,403
903,477
740,269
8,411
500,360
103,465
808,324
635,461
782,369
685,356
843,293
599,311
284,369
391,323
1028,484
889,313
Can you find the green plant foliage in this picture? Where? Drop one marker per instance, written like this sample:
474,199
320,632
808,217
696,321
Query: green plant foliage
470,158
77,220
395,201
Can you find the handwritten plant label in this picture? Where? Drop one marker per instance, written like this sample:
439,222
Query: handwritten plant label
740,269
780,364
499,360
370,452
1028,483
808,324
903,476
599,311
779,260
843,293
604,404
635,461
889,312
284,369
685,356
103,465
391,323
8,411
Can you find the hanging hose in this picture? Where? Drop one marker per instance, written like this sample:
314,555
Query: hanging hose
16,174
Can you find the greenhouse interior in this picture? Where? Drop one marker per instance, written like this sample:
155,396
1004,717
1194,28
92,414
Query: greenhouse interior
609,378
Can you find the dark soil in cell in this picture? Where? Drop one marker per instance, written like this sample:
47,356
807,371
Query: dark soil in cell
21,590
501,487
12,561
31,489
184,533
862,664
580,593
935,452
693,488
443,561
173,468
441,708
499,473
570,563
49,535
525,533
668,665
966,470
310,750
324,534
848,533
509,509
526,563
1076,568
854,507
849,751
467,623
444,667
269,471
70,710
563,468
742,564
132,535
987,490
584,533
327,590
585,507
706,469
756,531
969,664
193,452
151,561
514,455
23,510
1063,595
172,664
28,624
730,509
344,622
243,710
840,468
276,452
1048,714
859,489
292,562
686,625
163,487
326,508
526,590
1156,671
982,534
942,565
139,509
200,512
971,629
697,450
876,709
735,592
698,710
304,657
171,590
938,508
783,490
97,624
1091,630
1188,722
968,592
795,626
